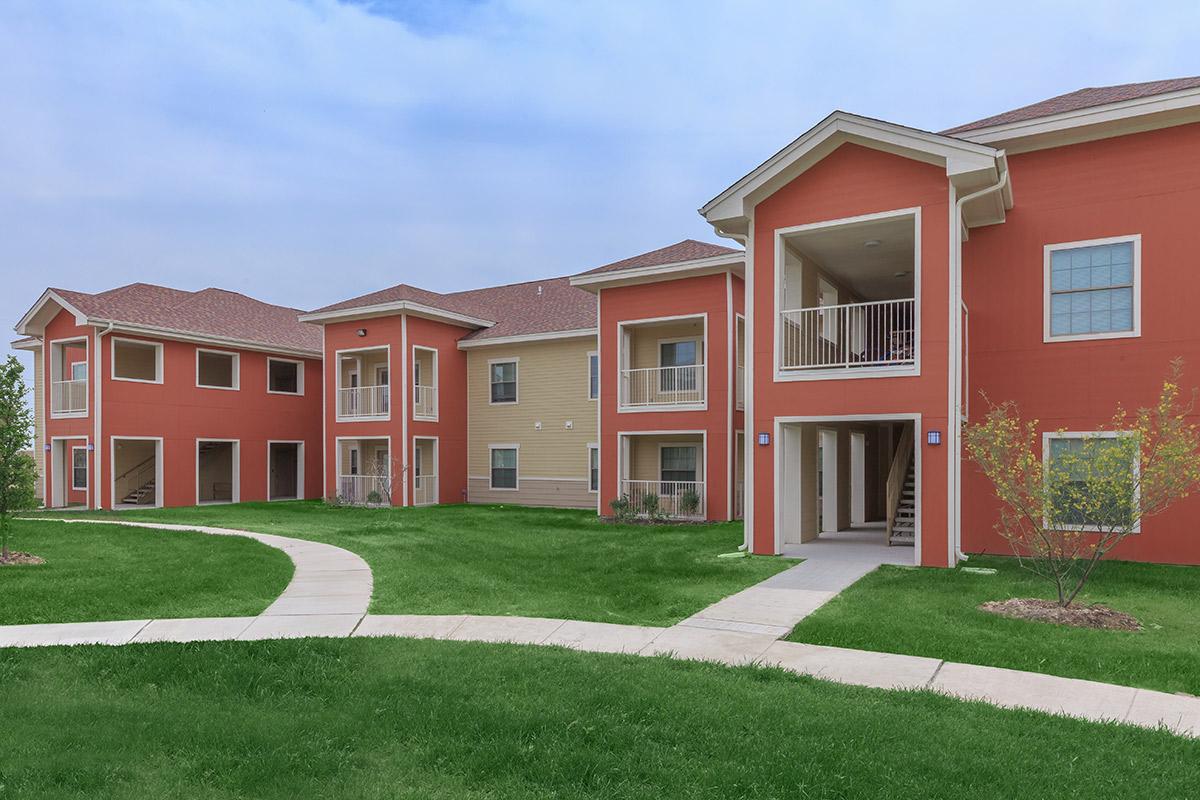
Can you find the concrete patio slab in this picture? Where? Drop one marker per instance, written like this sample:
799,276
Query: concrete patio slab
698,644
197,629
857,667
602,637
516,630
298,627
409,626
69,633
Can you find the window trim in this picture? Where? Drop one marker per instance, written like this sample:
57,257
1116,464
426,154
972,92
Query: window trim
1047,294
299,376
593,448
596,355
516,448
516,362
416,381
237,369
158,359
87,471
1048,436
49,367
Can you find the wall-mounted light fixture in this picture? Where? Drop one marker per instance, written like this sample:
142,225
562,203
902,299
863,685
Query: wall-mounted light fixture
361,332
933,437
764,439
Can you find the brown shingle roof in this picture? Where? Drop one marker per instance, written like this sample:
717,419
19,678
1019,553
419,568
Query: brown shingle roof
1081,98
687,250
208,312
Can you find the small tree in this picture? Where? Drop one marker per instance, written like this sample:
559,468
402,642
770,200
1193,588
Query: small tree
1065,510
18,473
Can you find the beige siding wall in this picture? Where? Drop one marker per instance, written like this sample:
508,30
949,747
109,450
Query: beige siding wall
368,359
552,387
644,463
644,345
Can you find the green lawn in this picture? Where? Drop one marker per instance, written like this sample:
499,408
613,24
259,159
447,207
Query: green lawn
421,719
931,612
512,560
103,572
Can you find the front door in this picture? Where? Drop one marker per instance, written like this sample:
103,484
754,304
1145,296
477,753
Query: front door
285,464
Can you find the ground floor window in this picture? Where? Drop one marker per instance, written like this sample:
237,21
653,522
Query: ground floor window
678,463
1089,476
504,468
79,468
593,468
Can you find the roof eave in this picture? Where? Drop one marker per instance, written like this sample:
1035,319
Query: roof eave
136,329
732,262
48,296
395,307
527,338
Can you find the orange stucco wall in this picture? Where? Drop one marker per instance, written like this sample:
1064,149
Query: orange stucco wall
1148,184
853,181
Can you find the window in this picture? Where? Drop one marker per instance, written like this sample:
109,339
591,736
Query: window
678,463
1092,289
79,371
1088,490
593,468
681,353
593,376
79,468
216,369
136,361
504,381
504,467
285,377
416,377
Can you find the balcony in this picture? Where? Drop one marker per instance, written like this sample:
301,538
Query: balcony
363,402
69,397
364,470
68,378
672,499
363,391
662,364
662,475
364,490
425,406
425,383
663,386
848,336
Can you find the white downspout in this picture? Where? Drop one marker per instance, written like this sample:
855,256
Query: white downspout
956,349
95,485
748,411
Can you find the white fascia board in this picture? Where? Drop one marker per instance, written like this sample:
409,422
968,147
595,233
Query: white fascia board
959,156
20,344
577,333
48,296
397,307
735,262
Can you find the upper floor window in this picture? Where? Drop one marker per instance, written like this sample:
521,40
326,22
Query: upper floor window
593,376
503,381
216,369
134,360
1093,289
284,376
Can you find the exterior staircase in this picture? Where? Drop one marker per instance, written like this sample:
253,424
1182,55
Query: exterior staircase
141,495
904,524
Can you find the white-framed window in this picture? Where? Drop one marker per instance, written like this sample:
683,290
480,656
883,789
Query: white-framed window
593,468
217,369
285,376
416,376
1058,445
503,462
79,370
678,463
502,375
1093,289
593,376
79,469
678,353
136,360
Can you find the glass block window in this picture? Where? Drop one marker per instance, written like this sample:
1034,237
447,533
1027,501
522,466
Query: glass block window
1091,289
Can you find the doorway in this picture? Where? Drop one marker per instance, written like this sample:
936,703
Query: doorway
217,473
285,470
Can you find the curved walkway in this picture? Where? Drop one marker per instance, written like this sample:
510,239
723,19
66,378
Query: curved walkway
331,590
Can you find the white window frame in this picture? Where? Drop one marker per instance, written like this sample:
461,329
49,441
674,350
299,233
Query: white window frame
237,369
516,362
696,446
1047,294
159,455
87,401
236,478
516,470
1048,436
593,354
299,376
593,448
356,372
416,381
158,360
87,470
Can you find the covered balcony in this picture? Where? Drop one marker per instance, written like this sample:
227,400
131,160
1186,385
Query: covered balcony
662,364
364,472
425,471
847,297
363,392
425,380
69,378
662,475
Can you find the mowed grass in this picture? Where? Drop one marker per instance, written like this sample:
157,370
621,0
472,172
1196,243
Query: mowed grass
509,560
109,572
931,612
422,719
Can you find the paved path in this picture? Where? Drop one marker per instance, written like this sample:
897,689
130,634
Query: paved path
331,588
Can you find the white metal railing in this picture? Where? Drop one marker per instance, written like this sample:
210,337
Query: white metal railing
363,401
741,387
876,334
663,386
68,397
677,499
425,402
425,490
365,490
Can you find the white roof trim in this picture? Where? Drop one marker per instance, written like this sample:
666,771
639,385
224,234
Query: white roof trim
396,307
1066,120
521,338
48,296
202,338
960,155
728,261
21,344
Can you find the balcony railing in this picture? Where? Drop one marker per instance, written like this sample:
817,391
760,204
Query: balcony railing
68,397
363,401
425,490
365,490
741,388
849,336
663,386
675,499
425,402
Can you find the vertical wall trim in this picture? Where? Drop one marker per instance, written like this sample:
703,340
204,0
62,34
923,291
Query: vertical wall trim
730,395
403,409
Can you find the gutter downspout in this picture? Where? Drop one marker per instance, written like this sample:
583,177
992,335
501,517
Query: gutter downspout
95,483
956,329
748,411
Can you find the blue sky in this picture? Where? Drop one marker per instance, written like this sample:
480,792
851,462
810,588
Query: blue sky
305,152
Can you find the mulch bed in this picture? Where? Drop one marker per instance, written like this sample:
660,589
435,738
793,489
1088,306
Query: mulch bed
1094,616
19,559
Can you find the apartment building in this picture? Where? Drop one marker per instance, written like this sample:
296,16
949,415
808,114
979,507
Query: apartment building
811,379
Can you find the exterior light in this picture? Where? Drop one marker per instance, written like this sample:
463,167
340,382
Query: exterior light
361,332
764,439
933,437
872,243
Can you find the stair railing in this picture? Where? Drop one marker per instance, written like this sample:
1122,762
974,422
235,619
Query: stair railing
896,476
140,478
